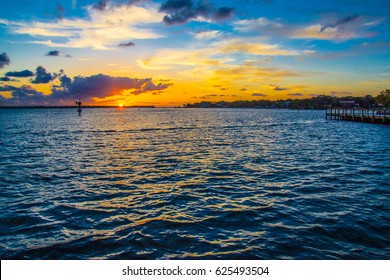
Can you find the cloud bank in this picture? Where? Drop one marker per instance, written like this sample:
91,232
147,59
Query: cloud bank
104,26
89,89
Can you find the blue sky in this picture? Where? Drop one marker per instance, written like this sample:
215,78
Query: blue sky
171,52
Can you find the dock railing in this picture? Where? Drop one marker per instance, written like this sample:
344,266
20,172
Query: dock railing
359,115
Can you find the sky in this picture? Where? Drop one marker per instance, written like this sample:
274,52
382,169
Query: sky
174,52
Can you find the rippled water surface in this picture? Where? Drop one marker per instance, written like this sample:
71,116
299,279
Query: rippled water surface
192,184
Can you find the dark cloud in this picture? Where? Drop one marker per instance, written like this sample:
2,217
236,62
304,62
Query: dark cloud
57,53
101,5
223,89
7,88
339,22
295,94
42,76
179,11
259,94
223,13
171,6
102,85
4,60
84,88
24,96
26,92
277,88
208,96
243,89
124,45
65,81
5,79
182,11
20,74
53,53
60,11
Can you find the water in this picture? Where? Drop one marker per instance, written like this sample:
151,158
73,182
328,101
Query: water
192,184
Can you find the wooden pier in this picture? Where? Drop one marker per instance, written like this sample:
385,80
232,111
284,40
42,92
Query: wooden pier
359,115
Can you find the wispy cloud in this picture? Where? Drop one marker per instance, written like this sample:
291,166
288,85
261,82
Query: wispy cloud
207,35
169,58
217,62
331,33
101,29
338,30
256,25
237,46
246,72
216,55
329,28
339,22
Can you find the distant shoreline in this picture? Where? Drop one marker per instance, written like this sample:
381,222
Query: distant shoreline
150,107
66,107
320,102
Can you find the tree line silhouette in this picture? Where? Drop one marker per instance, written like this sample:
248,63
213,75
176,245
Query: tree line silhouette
316,102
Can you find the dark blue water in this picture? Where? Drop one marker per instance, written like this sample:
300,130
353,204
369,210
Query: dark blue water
192,184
